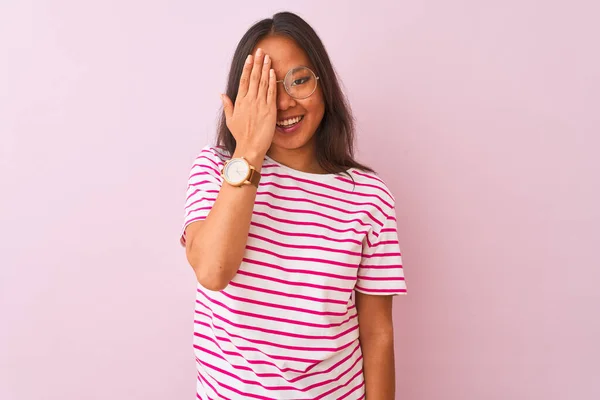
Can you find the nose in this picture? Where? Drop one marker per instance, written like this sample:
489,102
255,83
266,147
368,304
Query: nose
284,100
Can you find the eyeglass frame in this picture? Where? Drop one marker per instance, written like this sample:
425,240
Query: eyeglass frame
289,72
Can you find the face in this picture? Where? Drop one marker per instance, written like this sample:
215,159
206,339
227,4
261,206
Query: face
286,55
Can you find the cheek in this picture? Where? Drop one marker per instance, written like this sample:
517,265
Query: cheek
316,107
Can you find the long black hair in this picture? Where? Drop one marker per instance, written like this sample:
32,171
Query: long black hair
335,135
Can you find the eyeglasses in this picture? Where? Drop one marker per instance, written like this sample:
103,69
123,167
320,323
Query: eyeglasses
300,82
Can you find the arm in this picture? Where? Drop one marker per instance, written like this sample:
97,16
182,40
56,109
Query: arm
376,335
216,245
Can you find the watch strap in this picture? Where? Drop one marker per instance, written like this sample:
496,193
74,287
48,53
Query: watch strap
254,178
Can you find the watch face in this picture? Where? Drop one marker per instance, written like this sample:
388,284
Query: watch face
236,171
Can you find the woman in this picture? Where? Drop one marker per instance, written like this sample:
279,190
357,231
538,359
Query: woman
292,241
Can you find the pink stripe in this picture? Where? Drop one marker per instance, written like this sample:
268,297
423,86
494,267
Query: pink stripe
295,178
283,307
354,389
253,362
196,210
387,266
334,188
246,348
297,246
192,194
216,172
335,389
211,199
222,156
298,211
202,183
276,332
269,278
292,222
216,164
293,295
210,152
302,271
382,255
263,226
201,208
221,384
202,217
334,366
204,173
308,259
240,367
271,318
379,290
336,379
389,230
204,380
369,244
381,278
319,194
368,176
248,382
383,243
378,187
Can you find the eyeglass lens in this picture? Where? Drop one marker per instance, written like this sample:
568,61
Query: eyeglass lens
300,82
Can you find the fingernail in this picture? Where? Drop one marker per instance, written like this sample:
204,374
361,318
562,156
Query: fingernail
248,58
266,59
259,52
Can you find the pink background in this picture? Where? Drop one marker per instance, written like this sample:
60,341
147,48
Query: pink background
483,118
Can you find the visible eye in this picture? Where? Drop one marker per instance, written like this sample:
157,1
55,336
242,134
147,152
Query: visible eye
301,81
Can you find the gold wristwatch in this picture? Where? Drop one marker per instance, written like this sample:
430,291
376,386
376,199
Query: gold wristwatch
238,172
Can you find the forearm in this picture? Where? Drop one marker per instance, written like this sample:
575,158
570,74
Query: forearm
378,366
217,247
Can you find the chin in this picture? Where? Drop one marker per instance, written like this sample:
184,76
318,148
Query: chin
293,142
297,140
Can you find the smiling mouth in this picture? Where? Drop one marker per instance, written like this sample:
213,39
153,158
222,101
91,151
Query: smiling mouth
290,122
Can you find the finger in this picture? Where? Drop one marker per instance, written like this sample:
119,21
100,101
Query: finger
255,74
272,91
227,106
264,78
243,87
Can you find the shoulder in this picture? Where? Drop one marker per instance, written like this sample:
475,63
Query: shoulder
211,155
209,162
373,185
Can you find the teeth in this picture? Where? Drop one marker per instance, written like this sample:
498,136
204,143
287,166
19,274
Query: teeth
290,121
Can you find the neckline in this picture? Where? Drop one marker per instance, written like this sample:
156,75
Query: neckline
305,174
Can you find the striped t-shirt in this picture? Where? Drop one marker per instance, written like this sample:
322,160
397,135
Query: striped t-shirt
286,325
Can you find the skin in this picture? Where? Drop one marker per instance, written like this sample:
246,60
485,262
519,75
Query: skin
215,257
298,150
376,335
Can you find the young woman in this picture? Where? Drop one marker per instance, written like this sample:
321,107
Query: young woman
292,241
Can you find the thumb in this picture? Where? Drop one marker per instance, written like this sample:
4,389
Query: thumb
227,106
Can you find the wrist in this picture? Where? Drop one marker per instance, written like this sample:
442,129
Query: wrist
254,158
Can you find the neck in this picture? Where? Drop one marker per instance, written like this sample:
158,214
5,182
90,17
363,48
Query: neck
302,159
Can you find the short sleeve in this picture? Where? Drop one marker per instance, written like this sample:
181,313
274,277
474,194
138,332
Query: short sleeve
204,184
380,271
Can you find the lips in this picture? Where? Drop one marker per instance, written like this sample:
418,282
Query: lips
290,125
289,122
